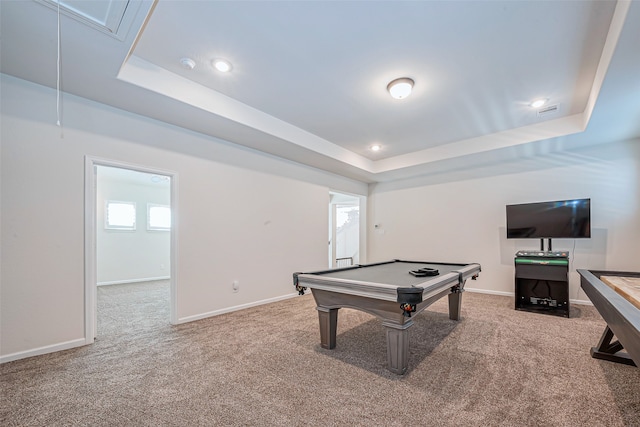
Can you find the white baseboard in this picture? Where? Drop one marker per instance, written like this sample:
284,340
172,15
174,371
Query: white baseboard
511,294
488,291
43,350
580,302
235,308
122,282
80,342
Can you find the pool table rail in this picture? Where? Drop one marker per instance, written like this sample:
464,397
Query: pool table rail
375,290
389,292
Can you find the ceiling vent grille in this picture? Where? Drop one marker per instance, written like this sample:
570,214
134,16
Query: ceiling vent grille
549,110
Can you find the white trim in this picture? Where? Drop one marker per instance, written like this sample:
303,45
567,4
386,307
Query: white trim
581,302
489,291
332,234
362,219
90,238
43,350
511,294
122,282
235,308
90,230
293,295
173,261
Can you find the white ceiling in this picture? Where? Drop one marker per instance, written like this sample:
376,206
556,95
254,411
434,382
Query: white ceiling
309,78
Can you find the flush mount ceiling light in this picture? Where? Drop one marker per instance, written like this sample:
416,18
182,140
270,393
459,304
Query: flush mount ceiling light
400,88
375,147
538,103
222,65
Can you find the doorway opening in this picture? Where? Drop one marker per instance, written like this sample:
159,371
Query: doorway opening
129,241
345,223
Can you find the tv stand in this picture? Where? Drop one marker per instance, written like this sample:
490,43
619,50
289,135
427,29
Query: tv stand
542,282
542,245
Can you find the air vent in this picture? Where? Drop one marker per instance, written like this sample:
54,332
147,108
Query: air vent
549,110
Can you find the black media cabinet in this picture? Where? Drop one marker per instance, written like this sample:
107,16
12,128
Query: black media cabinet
542,282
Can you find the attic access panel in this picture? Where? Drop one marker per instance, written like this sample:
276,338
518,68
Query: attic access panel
110,16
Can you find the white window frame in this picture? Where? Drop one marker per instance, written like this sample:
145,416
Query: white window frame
109,226
157,228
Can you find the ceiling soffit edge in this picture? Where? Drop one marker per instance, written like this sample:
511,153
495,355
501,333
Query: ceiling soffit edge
615,29
146,75
156,79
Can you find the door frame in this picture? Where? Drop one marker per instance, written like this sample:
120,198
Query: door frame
90,237
362,204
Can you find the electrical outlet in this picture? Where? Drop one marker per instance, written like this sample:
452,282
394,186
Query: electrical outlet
236,286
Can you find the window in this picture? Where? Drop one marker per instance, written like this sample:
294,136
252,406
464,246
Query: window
120,215
158,217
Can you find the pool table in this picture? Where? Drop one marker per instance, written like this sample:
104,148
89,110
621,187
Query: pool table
393,291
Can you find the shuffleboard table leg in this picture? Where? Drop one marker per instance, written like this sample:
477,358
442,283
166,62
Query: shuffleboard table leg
397,346
455,304
328,324
611,350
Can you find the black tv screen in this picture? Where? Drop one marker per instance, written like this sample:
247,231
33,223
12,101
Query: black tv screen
569,219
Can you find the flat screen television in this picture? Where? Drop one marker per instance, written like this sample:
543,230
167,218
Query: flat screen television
562,219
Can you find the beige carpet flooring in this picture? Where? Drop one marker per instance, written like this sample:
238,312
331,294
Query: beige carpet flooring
264,367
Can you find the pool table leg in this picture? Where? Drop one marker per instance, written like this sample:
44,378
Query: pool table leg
455,304
397,346
328,323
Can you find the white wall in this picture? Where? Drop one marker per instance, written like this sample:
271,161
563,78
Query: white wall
240,215
462,219
131,255
276,222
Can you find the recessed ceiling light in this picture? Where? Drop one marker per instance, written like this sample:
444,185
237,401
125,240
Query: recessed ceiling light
375,147
222,65
188,63
400,88
538,103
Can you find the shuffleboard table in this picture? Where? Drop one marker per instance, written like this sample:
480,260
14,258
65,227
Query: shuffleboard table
393,291
616,296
